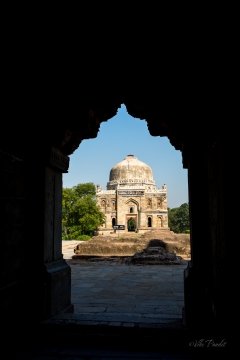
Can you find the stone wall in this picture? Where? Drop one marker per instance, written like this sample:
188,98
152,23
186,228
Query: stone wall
122,208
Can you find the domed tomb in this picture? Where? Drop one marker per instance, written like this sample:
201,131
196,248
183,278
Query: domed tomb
132,201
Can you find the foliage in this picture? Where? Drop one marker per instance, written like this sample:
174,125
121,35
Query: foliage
178,219
131,225
85,189
84,237
80,212
79,237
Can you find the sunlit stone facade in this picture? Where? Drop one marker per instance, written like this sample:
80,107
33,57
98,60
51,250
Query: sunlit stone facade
132,199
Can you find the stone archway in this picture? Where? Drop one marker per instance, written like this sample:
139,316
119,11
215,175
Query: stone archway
204,167
32,194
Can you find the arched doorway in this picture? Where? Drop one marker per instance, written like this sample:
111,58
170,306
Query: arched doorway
137,214
131,224
135,210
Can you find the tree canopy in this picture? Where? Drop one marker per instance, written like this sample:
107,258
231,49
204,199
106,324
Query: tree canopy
81,215
178,219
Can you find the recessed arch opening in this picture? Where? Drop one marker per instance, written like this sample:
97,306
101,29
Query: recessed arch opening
131,224
132,206
149,221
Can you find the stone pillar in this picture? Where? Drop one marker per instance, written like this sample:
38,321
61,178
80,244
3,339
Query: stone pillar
57,273
197,277
36,281
13,239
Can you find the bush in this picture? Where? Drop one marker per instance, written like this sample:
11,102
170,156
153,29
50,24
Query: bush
84,237
178,219
73,233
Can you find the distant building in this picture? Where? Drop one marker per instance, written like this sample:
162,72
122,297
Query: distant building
132,198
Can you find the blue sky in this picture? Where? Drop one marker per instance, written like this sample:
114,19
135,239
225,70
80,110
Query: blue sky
118,137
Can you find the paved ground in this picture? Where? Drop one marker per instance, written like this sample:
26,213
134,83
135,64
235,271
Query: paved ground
132,303
125,295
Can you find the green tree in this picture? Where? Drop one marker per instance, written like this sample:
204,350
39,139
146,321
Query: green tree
178,219
81,215
85,189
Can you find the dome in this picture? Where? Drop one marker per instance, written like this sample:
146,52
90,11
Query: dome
130,172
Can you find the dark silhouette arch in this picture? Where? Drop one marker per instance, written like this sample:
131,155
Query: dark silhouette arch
33,163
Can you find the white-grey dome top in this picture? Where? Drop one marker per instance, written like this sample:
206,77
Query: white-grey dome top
130,171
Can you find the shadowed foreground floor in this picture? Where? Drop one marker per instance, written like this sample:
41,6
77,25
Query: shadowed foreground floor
121,312
128,295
